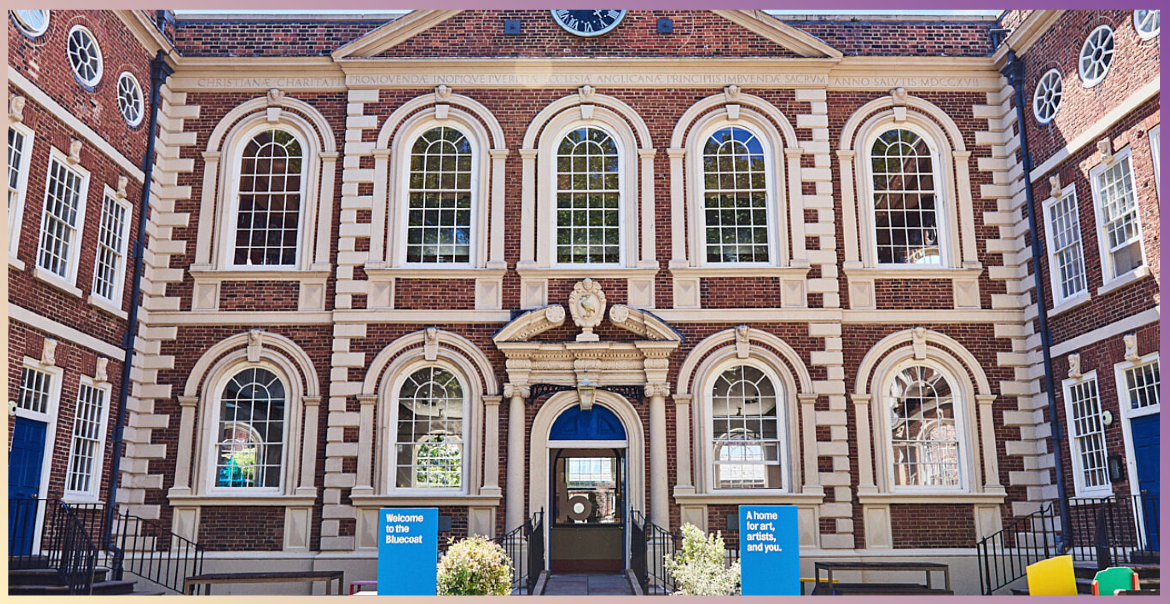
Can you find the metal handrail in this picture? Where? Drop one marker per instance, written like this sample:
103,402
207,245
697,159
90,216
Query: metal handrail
1115,529
650,546
526,565
157,554
78,555
1005,555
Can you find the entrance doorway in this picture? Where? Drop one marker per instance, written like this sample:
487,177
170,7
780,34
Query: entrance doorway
587,491
25,462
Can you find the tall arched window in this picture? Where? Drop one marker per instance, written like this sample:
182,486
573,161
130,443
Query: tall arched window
924,431
250,430
735,198
905,199
588,206
431,410
746,430
440,195
267,225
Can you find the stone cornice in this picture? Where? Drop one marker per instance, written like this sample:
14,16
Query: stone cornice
1026,34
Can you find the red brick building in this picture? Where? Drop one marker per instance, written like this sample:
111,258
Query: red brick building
499,263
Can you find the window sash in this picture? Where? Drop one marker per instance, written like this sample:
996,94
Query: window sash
16,174
1142,386
1120,223
440,198
430,432
1066,252
111,252
269,200
903,234
735,198
61,221
36,391
588,200
1088,436
259,407
85,450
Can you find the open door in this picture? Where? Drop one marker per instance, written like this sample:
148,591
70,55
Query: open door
588,510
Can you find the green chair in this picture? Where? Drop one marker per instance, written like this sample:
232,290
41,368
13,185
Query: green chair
1052,577
1112,580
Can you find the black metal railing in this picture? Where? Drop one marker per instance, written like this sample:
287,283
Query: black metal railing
46,533
78,553
1115,530
156,554
524,546
1004,556
650,546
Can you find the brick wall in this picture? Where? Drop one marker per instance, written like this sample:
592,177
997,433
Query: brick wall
932,525
261,38
893,38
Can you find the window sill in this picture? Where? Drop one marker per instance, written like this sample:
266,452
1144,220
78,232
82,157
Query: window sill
1136,274
731,270
380,272
292,501
210,275
377,501
107,306
57,282
749,498
939,497
612,272
1070,303
911,272
15,262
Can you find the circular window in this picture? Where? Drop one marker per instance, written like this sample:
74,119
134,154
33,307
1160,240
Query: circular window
1046,100
1096,56
1147,23
35,22
130,98
84,56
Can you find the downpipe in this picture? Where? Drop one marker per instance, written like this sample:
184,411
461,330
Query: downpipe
159,71
1014,72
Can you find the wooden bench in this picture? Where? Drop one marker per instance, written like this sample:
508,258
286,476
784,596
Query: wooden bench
328,576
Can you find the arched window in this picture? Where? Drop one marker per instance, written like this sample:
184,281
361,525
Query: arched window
250,430
735,197
588,198
430,431
746,430
440,198
924,431
906,199
267,222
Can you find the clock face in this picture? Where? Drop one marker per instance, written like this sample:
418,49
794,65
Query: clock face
588,22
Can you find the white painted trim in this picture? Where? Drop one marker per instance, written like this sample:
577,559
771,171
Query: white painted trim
69,280
1116,328
16,213
1128,414
1094,132
97,472
119,284
1107,276
65,332
1078,471
242,500
88,85
1155,138
931,498
58,112
49,418
1054,278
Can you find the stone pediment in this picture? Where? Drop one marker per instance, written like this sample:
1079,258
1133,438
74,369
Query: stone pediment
466,34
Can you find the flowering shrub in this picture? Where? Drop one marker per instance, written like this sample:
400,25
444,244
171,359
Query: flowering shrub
475,567
698,568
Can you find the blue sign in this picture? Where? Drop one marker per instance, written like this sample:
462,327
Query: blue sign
769,550
408,551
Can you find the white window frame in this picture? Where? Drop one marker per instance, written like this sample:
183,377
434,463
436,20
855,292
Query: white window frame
967,470
784,399
1107,275
1087,83
101,60
622,194
117,287
478,170
1056,104
233,205
1155,139
211,435
126,75
947,255
391,452
16,215
97,472
1147,35
1054,275
49,418
25,28
70,279
1074,449
770,182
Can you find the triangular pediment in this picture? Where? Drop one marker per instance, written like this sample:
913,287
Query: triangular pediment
479,34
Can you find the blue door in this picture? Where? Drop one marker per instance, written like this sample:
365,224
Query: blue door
24,483
1145,434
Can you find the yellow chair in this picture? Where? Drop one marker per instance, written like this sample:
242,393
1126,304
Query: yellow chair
1052,577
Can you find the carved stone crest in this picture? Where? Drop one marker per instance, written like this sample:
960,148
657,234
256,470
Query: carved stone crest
587,305
275,96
